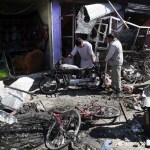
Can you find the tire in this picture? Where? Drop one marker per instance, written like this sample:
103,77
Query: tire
49,85
105,112
95,83
61,134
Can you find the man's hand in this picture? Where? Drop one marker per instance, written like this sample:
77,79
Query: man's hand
70,56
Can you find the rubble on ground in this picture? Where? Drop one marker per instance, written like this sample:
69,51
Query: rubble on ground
128,131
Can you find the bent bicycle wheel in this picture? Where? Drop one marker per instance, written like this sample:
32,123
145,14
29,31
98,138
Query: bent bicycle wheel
63,131
49,85
105,112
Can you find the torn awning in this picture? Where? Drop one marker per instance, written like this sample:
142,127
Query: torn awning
88,15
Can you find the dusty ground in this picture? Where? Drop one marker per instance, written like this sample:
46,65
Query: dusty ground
120,133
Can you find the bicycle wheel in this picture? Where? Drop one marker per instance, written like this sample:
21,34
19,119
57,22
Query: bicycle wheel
62,132
105,112
49,85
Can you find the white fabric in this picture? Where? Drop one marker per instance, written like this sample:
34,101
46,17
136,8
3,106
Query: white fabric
85,53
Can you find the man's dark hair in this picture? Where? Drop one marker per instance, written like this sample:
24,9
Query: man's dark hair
78,41
110,35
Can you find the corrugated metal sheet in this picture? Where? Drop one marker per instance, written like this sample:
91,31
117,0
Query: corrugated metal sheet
95,11
88,15
13,98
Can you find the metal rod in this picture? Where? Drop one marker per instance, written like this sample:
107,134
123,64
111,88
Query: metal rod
105,72
73,25
43,105
145,38
118,14
110,24
97,38
124,111
18,89
135,39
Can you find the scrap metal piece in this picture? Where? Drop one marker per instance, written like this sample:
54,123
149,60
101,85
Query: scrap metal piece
124,111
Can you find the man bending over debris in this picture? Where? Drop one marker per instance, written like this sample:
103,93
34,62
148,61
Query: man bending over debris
115,59
86,53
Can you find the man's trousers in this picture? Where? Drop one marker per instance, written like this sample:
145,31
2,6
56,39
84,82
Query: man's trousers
116,77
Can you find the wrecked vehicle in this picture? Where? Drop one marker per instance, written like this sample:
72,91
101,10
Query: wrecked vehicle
65,75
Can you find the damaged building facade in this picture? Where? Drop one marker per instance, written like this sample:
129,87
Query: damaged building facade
34,34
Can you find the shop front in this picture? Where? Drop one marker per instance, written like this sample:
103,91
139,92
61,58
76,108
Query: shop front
25,37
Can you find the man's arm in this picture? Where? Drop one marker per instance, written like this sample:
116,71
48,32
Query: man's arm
111,52
74,51
70,55
93,58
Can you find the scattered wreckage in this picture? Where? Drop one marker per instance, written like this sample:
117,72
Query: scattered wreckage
128,102
136,54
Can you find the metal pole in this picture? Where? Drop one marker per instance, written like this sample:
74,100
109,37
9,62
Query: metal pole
97,38
73,25
145,38
105,73
118,14
135,38
19,90
110,24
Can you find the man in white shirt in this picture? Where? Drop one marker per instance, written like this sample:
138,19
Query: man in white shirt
84,48
115,59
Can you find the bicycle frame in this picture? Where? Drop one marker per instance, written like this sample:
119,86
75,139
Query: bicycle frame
57,116
84,113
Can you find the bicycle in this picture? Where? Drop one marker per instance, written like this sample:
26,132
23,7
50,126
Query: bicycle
93,111
61,129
